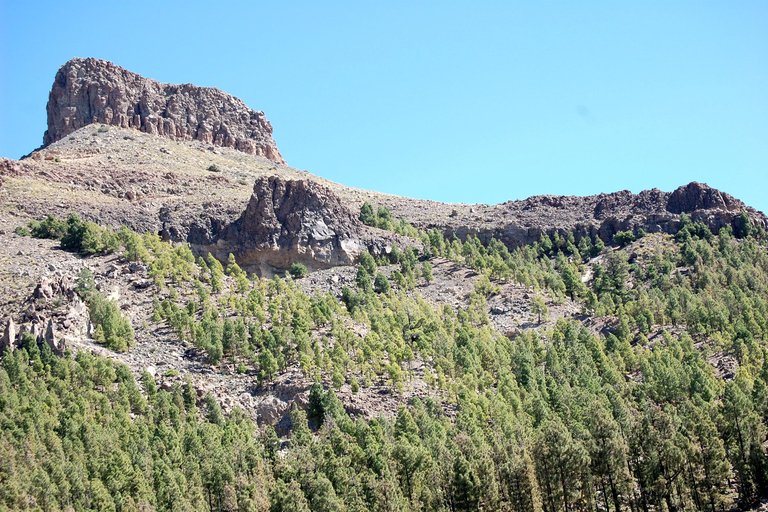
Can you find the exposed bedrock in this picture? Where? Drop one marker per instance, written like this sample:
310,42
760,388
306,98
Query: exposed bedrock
88,91
518,223
291,221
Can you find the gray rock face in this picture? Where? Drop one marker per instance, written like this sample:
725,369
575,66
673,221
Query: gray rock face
695,196
518,223
292,221
89,91
53,339
8,340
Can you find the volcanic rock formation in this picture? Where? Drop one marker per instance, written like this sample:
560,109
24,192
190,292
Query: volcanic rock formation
293,221
518,223
89,90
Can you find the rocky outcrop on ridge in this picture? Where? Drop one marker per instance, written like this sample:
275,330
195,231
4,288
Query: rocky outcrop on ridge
518,223
291,221
89,91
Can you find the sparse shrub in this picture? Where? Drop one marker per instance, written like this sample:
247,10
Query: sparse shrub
395,255
350,299
85,285
135,250
172,372
315,408
381,218
298,270
426,271
486,288
22,231
384,219
267,365
79,236
367,261
148,382
48,228
214,168
337,378
83,237
216,272
623,238
539,307
367,216
363,280
744,224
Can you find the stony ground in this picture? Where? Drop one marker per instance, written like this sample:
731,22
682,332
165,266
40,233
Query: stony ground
26,261
509,311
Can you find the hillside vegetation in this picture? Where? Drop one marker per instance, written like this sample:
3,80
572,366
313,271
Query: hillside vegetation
653,397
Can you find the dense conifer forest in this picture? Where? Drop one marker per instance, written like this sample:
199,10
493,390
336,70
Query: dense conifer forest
636,417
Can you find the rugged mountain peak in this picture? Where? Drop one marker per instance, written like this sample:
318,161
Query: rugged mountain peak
700,196
89,90
296,221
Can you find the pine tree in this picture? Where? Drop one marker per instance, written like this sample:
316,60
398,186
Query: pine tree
368,263
367,216
363,280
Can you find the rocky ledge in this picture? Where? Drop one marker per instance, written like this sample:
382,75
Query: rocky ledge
290,221
88,91
518,223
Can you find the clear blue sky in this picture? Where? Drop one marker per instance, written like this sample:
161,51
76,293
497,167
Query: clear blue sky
453,101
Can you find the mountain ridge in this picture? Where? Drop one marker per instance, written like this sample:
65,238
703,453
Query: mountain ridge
120,176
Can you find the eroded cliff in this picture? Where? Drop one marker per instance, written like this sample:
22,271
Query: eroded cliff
89,90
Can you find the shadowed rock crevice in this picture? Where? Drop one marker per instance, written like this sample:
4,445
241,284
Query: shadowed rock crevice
89,91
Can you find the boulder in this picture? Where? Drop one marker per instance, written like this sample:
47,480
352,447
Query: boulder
44,289
271,410
698,196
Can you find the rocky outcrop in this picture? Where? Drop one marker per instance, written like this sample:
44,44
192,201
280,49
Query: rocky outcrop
52,338
8,340
696,196
89,91
518,223
55,286
292,221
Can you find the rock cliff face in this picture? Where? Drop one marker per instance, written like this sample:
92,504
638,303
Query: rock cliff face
89,90
519,223
292,221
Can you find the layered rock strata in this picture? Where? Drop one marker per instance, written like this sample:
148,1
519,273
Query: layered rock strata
89,91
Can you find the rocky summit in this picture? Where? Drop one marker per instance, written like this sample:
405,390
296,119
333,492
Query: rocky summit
89,91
